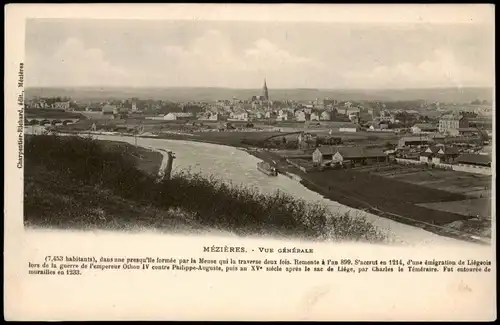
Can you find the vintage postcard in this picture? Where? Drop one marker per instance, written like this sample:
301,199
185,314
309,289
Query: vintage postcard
249,162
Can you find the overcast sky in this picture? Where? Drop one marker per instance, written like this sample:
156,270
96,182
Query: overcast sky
241,54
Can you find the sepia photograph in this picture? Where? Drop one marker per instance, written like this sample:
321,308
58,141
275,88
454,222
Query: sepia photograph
249,162
324,131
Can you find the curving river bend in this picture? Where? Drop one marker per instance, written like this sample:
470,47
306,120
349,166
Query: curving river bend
239,167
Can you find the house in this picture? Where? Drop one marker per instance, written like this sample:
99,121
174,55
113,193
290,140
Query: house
259,114
208,116
170,117
109,109
467,131
481,122
306,139
121,109
353,155
239,115
450,124
474,160
203,115
386,116
177,116
330,140
349,127
214,117
284,115
92,107
62,105
301,116
359,155
307,110
269,115
486,150
325,116
423,128
413,141
439,154
314,116
322,154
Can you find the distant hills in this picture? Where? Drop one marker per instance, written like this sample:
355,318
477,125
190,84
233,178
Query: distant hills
444,95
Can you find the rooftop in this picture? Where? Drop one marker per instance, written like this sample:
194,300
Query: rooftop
421,138
352,152
451,117
426,126
446,149
348,125
468,130
475,159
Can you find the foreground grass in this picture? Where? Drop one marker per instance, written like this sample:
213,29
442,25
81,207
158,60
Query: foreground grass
71,182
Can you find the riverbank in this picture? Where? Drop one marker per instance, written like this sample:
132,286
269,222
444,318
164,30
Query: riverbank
54,199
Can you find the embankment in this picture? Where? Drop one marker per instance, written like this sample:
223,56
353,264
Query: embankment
74,182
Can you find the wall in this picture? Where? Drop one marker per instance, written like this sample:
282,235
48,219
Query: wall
347,130
436,160
472,169
317,157
302,168
156,118
337,157
458,167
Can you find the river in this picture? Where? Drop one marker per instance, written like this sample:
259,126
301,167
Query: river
239,167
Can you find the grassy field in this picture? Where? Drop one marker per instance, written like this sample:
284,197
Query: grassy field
468,184
469,208
52,199
475,189
364,190
51,113
146,160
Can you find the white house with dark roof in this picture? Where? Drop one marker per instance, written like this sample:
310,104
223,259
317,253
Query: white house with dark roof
301,116
349,127
314,116
424,128
354,155
325,116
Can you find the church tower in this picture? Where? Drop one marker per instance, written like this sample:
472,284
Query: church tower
264,91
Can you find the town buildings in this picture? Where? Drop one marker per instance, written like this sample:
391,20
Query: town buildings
439,154
349,127
413,141
474,160
424,128
176,116
347,155
451,123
